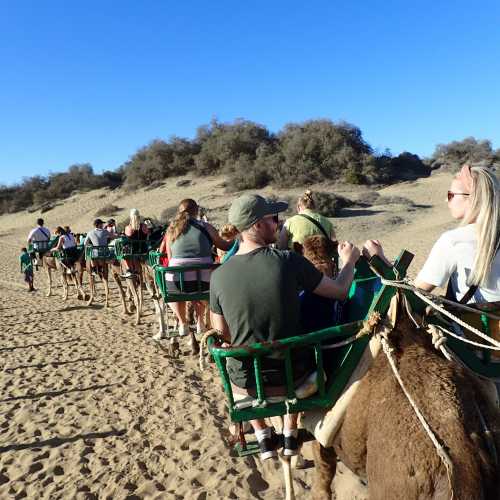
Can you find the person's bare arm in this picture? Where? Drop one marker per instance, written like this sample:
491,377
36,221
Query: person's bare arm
128,231
374,247
167,248
163,246
219,323
59,244
339,287
423,285
219,242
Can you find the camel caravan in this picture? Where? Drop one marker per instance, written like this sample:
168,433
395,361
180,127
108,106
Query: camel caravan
316,340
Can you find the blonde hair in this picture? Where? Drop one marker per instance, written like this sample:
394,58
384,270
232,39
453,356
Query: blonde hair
187,208
485,212
306,200
135,219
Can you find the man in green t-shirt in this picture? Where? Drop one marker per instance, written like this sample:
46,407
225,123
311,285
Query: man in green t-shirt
254,298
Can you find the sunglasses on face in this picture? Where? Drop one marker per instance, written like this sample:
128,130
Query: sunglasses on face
452,195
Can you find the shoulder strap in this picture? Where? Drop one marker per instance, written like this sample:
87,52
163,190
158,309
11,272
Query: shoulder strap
45,233
317,224
202,229
468,295
465,299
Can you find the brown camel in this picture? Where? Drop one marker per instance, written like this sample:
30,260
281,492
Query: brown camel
51,263
382,440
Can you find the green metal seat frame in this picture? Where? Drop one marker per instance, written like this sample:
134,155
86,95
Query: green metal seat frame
129,249
154,258
101,252
182,295
349,355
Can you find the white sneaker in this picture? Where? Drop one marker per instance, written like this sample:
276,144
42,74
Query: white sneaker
183,330
127,274
158,336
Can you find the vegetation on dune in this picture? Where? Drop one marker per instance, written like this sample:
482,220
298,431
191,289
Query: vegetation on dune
456,153
251,157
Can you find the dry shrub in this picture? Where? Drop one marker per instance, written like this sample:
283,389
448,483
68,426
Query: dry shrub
108,210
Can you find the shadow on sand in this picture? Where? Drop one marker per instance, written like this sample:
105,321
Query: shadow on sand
52,364
56,393
58,441
41,344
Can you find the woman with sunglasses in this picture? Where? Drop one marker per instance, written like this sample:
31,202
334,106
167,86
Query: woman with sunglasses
467,257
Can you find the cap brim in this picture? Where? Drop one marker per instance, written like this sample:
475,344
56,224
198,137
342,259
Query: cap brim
276,207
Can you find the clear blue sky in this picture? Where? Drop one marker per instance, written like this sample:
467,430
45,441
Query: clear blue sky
92,81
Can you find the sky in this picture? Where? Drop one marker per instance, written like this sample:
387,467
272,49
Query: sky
94,81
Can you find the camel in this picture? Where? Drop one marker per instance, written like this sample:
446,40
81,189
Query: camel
382,440
99,267
50,263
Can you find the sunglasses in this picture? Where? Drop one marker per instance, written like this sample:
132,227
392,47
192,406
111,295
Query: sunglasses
452,195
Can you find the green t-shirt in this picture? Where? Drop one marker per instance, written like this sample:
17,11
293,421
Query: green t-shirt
257,293
299,228
25,261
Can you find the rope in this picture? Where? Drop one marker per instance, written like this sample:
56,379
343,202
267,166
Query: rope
445,458
203,344
406,284
369,326
442,310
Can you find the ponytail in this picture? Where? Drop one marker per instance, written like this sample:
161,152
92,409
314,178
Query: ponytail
187,208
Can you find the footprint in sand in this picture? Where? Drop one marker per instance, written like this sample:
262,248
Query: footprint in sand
37,466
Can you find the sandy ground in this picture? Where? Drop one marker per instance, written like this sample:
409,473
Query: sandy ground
90,407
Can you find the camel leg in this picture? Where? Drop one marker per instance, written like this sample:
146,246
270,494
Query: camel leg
105,282
139,292
133,292
158,308
118,282
92,289
49,282
64,281
325,465
78,280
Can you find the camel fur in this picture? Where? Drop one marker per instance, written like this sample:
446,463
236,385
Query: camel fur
320,251
382,440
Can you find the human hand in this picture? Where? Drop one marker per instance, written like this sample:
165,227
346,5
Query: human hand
373,247
348,252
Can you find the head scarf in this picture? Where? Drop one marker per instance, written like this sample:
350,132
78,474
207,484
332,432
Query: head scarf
465,177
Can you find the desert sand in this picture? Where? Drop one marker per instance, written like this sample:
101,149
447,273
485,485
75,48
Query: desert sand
90,407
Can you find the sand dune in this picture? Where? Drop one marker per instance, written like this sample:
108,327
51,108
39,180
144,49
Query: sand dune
90,407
